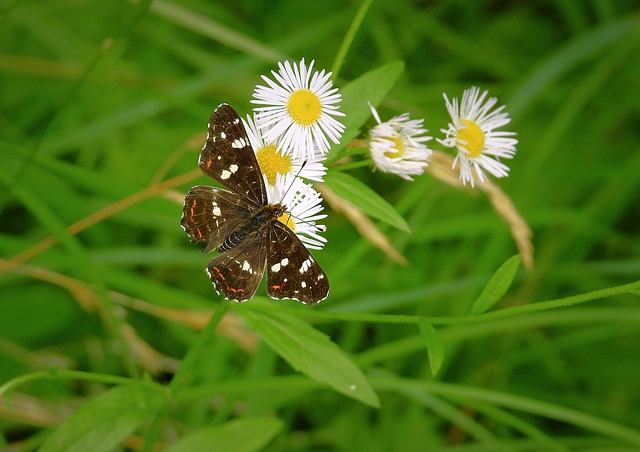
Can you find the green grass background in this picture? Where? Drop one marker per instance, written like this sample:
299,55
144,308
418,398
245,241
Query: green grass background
101,100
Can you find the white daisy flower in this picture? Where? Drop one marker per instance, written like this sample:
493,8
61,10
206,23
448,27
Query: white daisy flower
303,205
473,133
397,145
299,110
274,160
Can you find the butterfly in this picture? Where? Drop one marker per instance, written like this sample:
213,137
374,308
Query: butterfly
243,226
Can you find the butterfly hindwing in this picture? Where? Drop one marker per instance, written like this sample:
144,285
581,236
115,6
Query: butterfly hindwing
237,272
227,156
292,272
212,214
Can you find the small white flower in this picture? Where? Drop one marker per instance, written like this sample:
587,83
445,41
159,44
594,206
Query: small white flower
303,205
473,133
274,160
397,145
299,110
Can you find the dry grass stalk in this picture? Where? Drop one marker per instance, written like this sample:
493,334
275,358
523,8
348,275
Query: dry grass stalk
441,167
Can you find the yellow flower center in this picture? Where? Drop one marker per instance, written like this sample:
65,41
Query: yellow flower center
272,162
304,107
398,148
472,138
288,221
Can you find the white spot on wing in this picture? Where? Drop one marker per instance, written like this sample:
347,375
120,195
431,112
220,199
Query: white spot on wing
206,270
303,284
306,264
233,168
223,135
238,143
216,212
225,174
246,267
278,266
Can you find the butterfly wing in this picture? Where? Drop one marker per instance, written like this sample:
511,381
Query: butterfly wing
212,214
237,272
227,156
292,272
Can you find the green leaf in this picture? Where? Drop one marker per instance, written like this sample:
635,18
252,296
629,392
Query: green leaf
497,286
239,435
371,87
360,195
435,348
104,422
310,352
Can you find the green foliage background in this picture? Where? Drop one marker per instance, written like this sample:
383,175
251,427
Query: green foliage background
102,101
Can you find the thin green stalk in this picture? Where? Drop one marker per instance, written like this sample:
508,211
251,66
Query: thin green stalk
561,302
537,407
523,426
354,165
349,37
454,415
57,374
493,315
183,376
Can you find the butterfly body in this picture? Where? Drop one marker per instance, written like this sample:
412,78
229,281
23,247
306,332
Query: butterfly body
257,223
243,225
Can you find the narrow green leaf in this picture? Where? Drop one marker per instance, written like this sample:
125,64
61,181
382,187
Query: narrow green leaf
435,348
497,286
104,422
239,435
310,352
371,87
209,27
360,195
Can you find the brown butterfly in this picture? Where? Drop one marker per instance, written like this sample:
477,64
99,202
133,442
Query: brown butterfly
242,224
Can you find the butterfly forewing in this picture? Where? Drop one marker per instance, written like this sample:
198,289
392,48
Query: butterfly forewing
212,214
227,156
237,273
292,272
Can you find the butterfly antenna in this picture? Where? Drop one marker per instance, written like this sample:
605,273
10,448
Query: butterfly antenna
316,227
284,195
